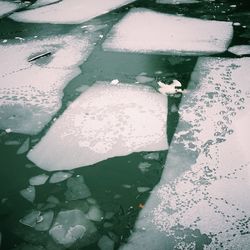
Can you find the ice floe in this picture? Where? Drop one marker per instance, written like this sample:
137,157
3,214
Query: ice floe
38,180
7,7
104,122
59,177
24,147
105,243
37,220
202,199
176,1
240,50
77,189
95,214
29,193
154,32
152,156
66,12
71,226
31,92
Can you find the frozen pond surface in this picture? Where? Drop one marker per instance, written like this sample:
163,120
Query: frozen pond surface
85,125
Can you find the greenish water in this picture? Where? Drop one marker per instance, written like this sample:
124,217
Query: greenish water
113,183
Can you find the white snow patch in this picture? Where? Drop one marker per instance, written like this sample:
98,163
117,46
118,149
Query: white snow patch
154,32
205,184
105,121
240,50
68,12
31,92
38,180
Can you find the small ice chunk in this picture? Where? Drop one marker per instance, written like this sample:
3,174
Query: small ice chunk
158,33
44,221
12,143
59,177
95,214
114,82
174,108
144,79
143,189
66,12
29,193
176,1
170,89
240,50
105,243
71,226
8,130
144,166
152,156
126,186
105,121
30,220
38,180
77,189
24,147
52,199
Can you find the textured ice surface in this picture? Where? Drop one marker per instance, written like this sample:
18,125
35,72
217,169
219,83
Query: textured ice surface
29,193
154,32
71,226
67,12
31,92
7,7
202,199
240,50
176,1
38,180
105,121
59,177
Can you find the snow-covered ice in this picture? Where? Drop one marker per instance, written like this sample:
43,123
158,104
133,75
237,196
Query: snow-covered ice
71,226
104,122
202,198
7,7
147,31
38,180
59,177
69,13
31,92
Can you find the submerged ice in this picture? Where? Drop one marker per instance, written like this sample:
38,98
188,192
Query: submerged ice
31,91
104,122
201,200
154,32
67,12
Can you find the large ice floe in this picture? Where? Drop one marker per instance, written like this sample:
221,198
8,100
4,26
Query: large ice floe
105,121
69,13
202,199
33,74
154,32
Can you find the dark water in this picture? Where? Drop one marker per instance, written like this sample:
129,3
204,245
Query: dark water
113,183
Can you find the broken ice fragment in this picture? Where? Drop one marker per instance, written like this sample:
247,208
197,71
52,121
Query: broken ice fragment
144,166
77,189
144,79
44,221
105,121
66,12
152,156
38,180
7,7
143,189
155,32
170,89
71,226
29,193
95,214
59,177
114,82
24,147
30,220
240,50
105,243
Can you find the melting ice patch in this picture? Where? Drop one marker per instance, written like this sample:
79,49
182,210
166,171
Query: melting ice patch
31,91
67,12
202,199
154,32
104,122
